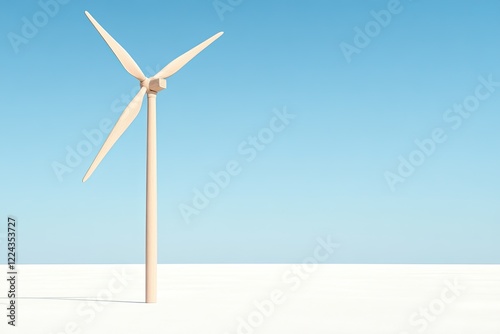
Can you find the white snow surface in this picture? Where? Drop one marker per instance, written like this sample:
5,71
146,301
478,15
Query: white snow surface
256,298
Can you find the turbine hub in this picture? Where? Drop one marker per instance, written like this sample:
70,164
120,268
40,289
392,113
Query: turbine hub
154,84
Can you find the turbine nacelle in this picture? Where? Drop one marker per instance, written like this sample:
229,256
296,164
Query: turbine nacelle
154,85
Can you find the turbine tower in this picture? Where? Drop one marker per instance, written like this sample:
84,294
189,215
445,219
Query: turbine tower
151,86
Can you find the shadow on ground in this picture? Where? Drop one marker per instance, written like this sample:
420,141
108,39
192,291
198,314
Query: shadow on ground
84,299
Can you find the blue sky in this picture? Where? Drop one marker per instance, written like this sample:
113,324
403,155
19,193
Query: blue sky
352,125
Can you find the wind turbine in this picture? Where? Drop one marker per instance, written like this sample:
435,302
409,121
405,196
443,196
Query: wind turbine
151,86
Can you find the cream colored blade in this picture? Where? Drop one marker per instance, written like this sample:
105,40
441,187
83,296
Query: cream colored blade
126,118
120,53
182,60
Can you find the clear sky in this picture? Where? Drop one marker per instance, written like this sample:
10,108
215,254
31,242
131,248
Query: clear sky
374,122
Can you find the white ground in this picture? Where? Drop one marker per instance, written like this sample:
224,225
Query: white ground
333,299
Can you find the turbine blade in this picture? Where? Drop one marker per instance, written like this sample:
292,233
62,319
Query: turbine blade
126,118
120,53
182,60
